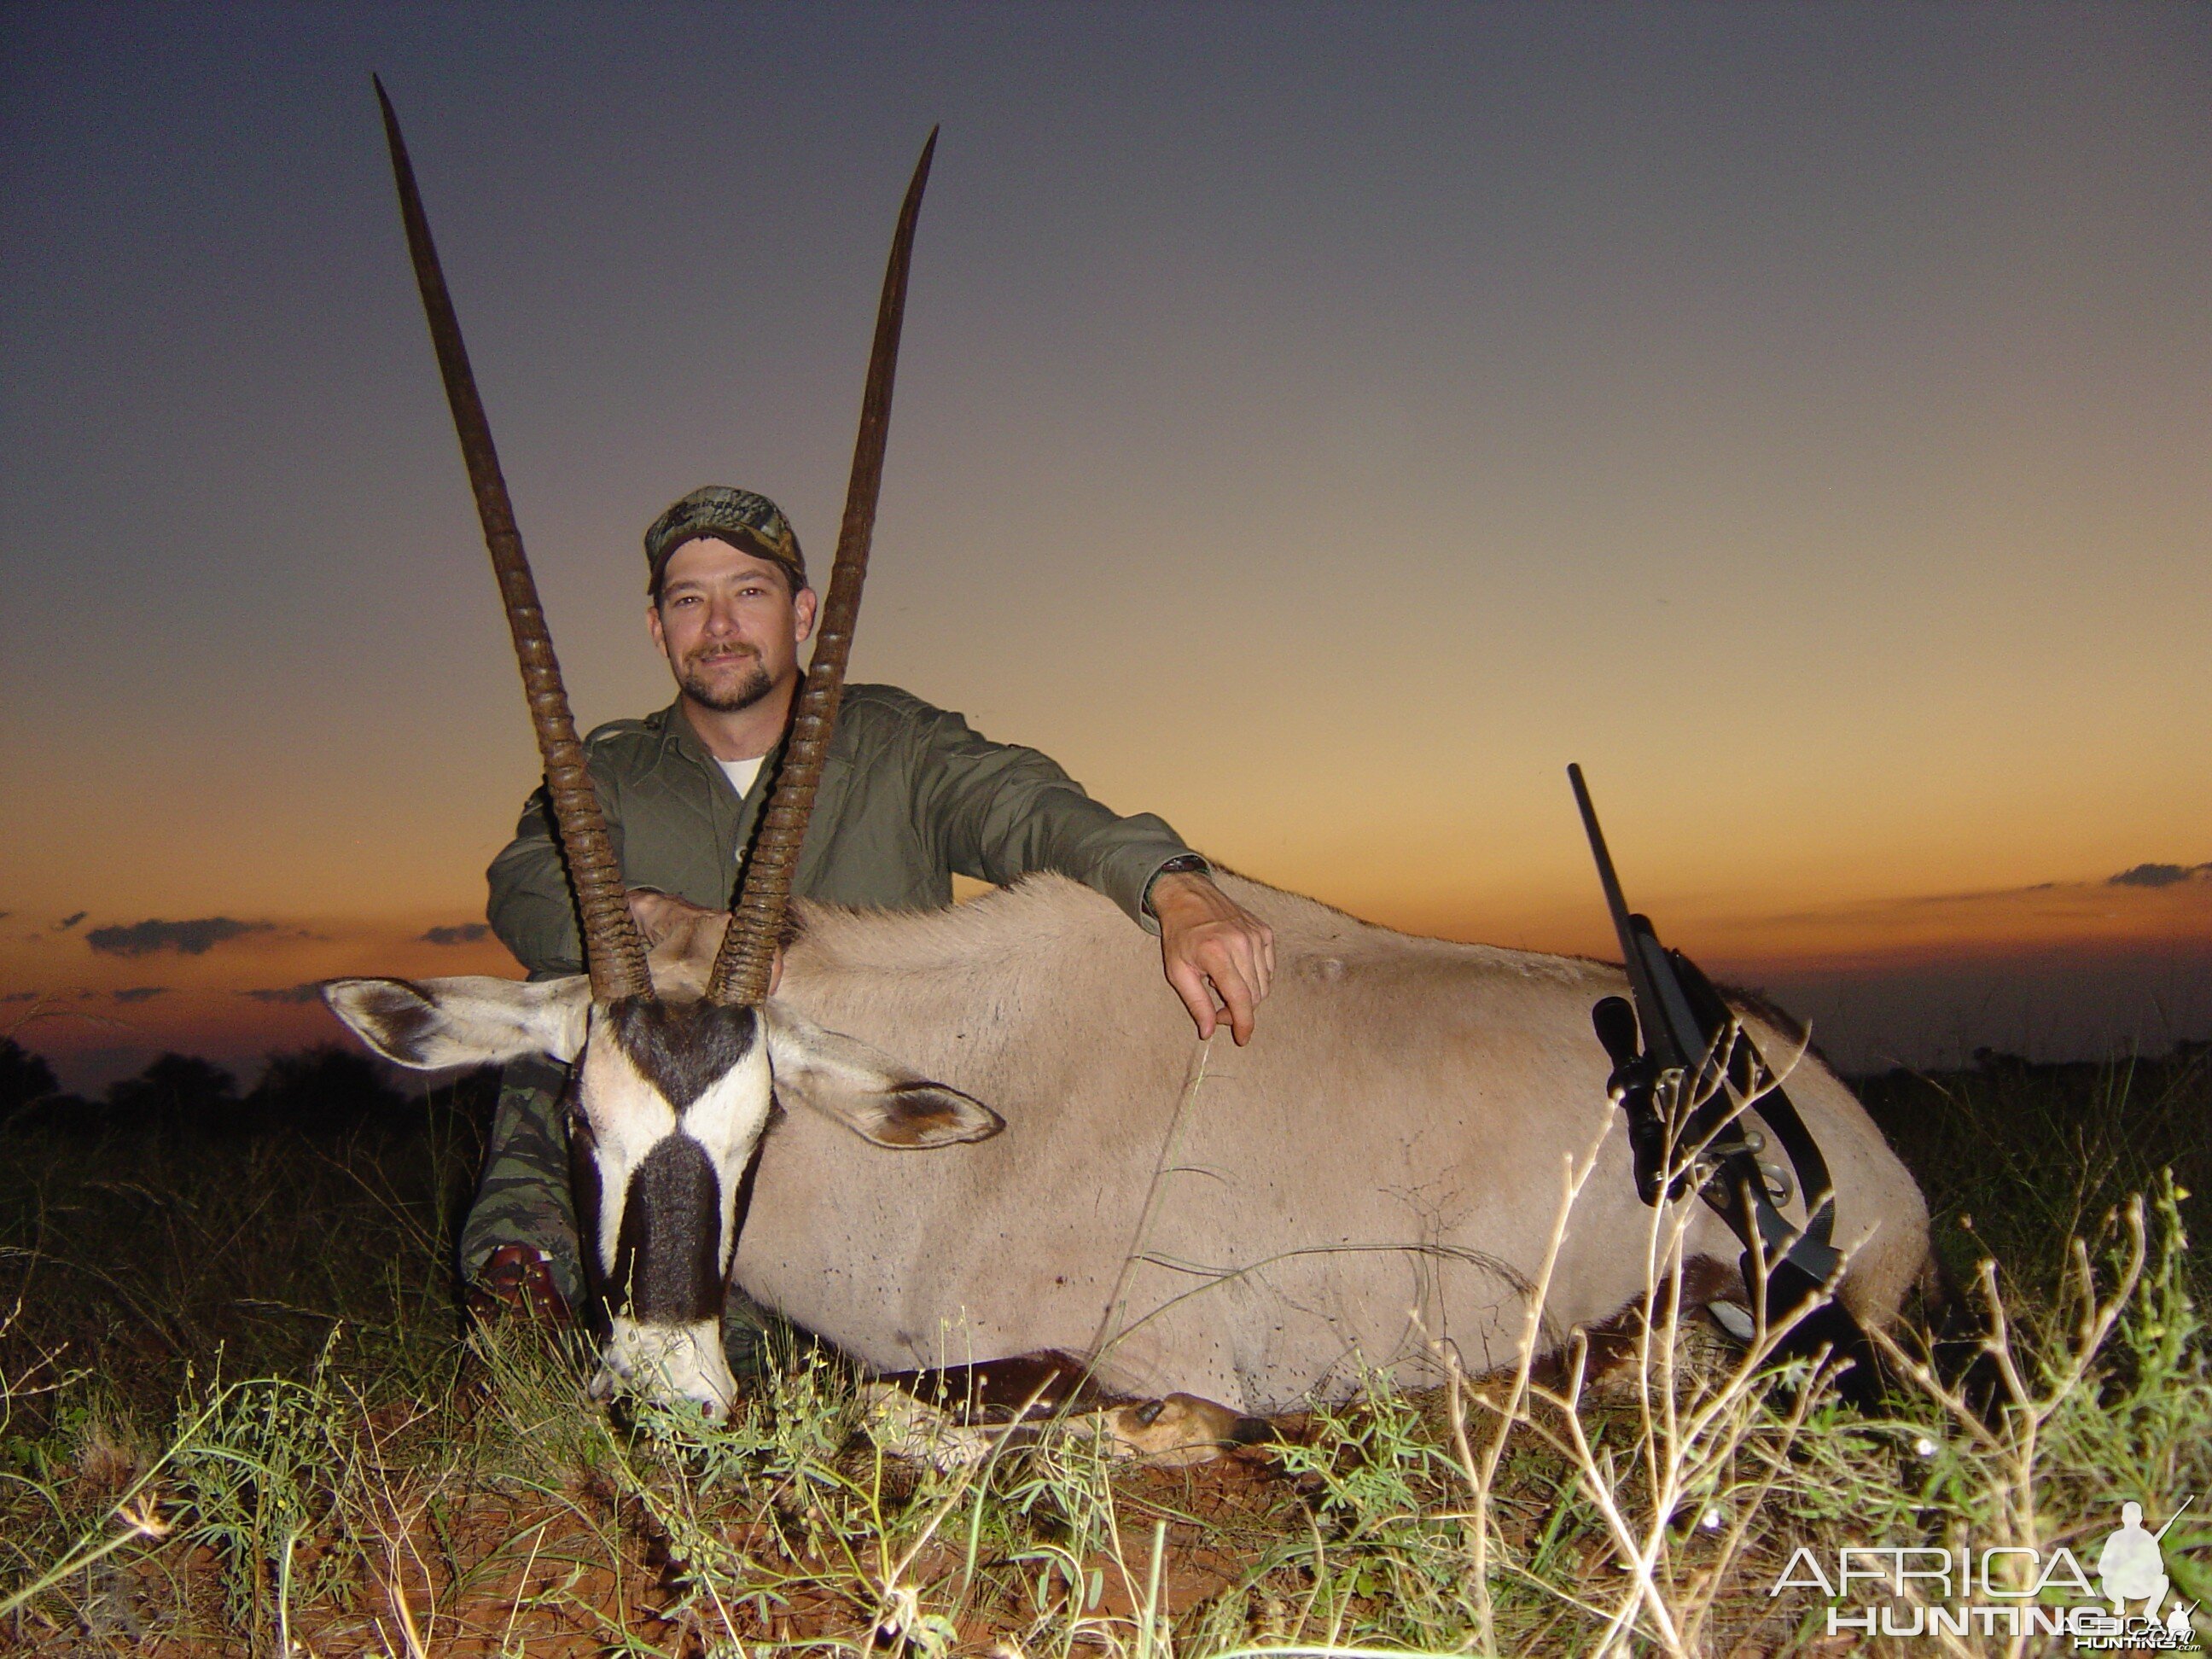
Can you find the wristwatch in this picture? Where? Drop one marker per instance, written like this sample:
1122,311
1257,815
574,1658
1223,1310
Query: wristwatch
1181,863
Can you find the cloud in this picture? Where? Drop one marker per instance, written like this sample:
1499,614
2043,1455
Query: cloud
191,939
68,922
142,992
312,991
467,933
2160,875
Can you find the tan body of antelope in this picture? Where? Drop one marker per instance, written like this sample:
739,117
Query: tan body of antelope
1378,1173
1380,1170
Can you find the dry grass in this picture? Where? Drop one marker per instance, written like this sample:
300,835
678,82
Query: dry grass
237,1416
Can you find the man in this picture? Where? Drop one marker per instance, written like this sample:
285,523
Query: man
2129,1567
910,796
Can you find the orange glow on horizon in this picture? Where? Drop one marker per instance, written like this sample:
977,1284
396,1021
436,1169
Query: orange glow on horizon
252,994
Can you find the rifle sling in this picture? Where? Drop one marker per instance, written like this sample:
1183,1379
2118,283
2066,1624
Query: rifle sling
1753,1080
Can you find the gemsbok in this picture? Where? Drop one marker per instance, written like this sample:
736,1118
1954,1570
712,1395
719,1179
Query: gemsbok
1372,1185
667,1097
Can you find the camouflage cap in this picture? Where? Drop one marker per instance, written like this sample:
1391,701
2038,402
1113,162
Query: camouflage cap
752,524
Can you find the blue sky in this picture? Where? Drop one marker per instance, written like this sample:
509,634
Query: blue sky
1317,424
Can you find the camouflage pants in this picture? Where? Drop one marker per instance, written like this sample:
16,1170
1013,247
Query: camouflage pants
523,1198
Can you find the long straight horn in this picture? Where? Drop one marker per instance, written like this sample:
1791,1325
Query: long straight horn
747,959
612,950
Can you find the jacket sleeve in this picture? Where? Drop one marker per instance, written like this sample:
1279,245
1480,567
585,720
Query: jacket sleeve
532,908
998,812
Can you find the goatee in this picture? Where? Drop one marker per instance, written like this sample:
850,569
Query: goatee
748,690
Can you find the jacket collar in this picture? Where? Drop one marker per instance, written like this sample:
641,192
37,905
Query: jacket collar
676,735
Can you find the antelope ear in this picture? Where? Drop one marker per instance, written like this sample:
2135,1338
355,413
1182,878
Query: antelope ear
431,1023
866,1089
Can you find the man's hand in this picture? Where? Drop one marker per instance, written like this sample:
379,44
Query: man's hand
666,920
1211,945
682,939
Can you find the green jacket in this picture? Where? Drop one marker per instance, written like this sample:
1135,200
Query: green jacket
910,796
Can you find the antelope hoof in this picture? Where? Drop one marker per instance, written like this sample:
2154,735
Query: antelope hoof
1181,1430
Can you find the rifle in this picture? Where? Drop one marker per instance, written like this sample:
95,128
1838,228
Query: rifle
1684,1070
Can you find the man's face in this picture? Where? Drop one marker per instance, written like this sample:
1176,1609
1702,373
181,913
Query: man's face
729,624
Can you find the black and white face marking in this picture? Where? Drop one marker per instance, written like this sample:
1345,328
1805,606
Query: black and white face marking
666,1104
668,1100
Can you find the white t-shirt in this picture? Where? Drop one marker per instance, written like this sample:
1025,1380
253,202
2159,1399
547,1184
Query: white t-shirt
741,773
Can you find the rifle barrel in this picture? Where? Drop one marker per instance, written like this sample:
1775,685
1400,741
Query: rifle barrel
2160,1533
1672,1034
1616,900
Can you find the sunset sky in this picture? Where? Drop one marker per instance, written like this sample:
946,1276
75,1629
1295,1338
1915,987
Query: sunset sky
1316,424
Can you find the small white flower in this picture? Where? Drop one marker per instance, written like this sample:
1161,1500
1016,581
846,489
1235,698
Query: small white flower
1711,1519
1924,1446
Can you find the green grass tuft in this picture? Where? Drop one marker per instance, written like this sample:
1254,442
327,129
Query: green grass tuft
239,1415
